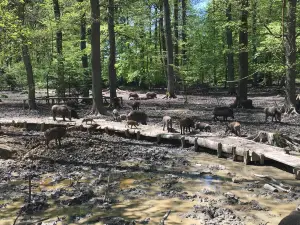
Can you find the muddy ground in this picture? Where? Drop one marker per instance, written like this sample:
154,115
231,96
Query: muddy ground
101,179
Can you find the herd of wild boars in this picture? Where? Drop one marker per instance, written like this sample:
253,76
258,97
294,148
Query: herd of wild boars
136,117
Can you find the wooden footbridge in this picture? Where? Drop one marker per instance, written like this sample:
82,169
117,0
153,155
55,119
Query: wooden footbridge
240,149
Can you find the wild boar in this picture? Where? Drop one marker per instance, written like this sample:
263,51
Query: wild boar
234,127
115,114
186,124
138,116
202,127
151,95
273,112
131,123
56,134
222,111
136,105
122,117
63,111
292,219
167,121
133,95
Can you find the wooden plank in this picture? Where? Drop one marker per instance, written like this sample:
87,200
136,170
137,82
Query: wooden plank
257,151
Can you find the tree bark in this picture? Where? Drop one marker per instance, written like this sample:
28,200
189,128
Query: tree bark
184,57
60,68
84,57
27,62
112,51
176,45
243,51
171,90
162,39
290,52
98,106
254,40
230,60
30,79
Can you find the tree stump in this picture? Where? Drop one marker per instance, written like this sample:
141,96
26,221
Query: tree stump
158,140
219,151
182,142
246,157
138,135
196,146
234,155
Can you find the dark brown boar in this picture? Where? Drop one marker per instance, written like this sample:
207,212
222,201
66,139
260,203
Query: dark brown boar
234,127
55,133
150,95
133,95
224,112
292,219
202,127
61,110
167,121
273,112
136,105
186,124
138,116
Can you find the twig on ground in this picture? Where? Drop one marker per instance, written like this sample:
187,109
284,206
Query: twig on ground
162,222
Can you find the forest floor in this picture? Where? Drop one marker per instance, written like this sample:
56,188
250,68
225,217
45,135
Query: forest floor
101,179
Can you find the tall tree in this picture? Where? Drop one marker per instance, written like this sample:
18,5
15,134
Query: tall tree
176,40
27,60
230,60
183,32
243,51
84,57
162,42
112,51
98,106
60,68
290,52
170,57
254,39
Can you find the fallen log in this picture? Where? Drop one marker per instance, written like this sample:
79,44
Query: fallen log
273,180
270,188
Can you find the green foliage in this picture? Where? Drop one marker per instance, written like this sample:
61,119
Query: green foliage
139,56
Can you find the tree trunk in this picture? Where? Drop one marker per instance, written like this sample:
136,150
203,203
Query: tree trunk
112,52
27,62
98,106
254,40
176,45
290,53
184,57
30,79
162,40
230,60
60,68
243,52
214,46
171,90
84,57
